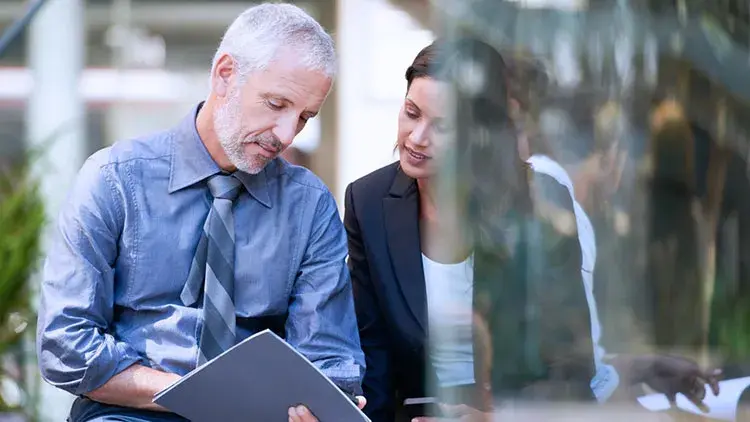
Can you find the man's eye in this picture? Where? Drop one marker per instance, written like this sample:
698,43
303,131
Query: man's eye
274,105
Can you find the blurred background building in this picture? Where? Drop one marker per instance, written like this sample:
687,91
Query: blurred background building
88,73
144,62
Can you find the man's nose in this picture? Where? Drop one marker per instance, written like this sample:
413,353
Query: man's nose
285,131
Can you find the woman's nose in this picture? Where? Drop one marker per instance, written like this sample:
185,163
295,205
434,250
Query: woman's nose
420,135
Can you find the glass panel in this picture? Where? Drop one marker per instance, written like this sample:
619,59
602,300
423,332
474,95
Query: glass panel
597,171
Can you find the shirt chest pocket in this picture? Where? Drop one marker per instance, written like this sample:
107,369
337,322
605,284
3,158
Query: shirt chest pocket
154,263
265,270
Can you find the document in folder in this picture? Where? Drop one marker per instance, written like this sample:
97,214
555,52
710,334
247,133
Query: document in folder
257,380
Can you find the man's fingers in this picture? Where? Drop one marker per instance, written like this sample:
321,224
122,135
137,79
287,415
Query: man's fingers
714,383
698,403
361,402
292,413
698,389
713,378
300,414
672,397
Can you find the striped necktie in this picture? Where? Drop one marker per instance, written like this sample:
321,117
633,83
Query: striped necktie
213,269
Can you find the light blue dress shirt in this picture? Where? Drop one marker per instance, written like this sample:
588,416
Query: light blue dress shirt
125,240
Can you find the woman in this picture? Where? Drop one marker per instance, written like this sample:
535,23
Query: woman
492,277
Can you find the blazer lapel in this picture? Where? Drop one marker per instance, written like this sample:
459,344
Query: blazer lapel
401,210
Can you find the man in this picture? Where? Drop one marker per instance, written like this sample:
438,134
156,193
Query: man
153,223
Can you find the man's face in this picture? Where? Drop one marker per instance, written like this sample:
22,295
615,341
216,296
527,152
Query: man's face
258,119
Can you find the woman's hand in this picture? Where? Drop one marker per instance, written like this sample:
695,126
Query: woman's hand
302,414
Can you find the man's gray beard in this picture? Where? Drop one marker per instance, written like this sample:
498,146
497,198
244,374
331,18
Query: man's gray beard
227,128
234,149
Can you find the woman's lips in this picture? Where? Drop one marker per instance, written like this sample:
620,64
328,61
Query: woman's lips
417,155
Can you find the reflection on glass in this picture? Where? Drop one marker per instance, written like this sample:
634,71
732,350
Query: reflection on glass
603,206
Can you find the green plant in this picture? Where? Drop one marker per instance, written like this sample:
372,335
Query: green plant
730,324
22,219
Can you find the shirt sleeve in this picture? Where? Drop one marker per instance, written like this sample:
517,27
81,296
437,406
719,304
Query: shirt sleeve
322,324
75,349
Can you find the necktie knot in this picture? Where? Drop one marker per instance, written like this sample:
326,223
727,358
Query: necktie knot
224,186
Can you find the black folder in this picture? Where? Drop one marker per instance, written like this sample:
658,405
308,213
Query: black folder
258,380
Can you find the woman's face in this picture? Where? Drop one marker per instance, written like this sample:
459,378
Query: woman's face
424,129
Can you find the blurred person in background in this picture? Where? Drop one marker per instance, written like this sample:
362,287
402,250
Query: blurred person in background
671,211
478,297
136,293
663,373
597,182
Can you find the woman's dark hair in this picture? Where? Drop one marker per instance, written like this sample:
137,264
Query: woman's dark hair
462,62
488,162
423,65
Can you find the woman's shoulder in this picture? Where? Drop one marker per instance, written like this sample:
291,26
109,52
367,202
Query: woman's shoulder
375,183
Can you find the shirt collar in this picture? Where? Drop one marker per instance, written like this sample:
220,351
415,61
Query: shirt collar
191,162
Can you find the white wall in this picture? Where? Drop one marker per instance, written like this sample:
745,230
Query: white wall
377,42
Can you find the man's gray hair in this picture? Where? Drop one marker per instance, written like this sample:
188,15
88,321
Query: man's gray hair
254,38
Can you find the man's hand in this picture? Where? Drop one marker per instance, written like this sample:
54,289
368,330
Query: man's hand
134,387
671,375
458,413
302,414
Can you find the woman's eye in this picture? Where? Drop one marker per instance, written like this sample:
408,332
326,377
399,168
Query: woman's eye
411,115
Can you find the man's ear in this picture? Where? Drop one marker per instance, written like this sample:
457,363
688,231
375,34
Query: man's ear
222,74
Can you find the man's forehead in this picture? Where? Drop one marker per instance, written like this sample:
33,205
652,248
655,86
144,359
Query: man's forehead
289,58
297,85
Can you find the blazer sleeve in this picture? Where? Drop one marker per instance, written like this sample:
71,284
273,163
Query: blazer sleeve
377,384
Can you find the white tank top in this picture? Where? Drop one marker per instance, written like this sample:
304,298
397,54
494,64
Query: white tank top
449,308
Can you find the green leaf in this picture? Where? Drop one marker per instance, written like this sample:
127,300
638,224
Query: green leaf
22,220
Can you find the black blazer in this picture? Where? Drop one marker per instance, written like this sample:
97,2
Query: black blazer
541,311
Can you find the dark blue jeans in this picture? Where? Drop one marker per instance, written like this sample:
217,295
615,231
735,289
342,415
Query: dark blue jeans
86,410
